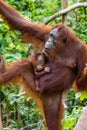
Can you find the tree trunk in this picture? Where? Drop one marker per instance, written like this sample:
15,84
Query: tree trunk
64,5
1,128
82,122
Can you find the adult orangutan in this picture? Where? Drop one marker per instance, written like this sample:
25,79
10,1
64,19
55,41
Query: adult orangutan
67,58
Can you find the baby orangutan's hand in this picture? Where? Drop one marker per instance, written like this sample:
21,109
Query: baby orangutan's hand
39,68
47,69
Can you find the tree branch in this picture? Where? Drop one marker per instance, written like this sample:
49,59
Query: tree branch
64,11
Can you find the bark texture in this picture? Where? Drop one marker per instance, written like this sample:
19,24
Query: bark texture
82,122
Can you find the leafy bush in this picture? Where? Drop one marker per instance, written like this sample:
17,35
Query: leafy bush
19,111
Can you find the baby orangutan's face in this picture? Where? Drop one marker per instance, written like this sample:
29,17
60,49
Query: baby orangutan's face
40,61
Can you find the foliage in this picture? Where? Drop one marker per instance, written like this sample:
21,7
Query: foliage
10,45
71,118
19,111
37,10
78,23
75,105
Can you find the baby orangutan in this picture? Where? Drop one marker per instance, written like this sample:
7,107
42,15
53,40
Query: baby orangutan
39,69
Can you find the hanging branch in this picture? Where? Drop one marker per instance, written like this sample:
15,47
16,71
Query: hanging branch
64,11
